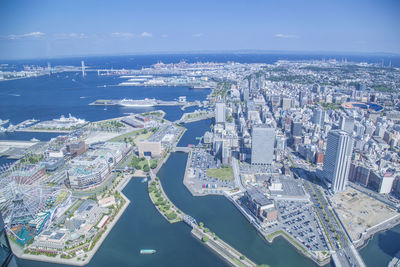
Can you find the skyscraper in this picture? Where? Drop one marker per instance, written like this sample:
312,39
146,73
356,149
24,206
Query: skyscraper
262,144
319,116
286,103
220,113
346,124
337,159
297,128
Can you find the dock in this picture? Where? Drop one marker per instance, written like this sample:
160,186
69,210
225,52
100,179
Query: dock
115,102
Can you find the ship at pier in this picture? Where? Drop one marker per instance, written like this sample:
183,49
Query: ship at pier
138,103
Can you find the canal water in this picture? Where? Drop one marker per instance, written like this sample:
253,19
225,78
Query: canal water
381,249
142,227
222,217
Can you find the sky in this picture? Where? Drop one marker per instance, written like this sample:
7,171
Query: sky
48,29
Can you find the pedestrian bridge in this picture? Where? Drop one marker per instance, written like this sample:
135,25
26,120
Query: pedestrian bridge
182,149
189,220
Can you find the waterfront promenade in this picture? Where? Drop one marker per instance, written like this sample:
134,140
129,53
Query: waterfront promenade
223,249
18,251
218,246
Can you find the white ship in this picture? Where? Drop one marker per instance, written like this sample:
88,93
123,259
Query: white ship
69,119
138,103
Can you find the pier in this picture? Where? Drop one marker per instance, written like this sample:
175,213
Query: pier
116,102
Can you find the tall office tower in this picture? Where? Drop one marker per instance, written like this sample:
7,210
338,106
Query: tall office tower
246,94
220,113
337,159
346,124
302,99
83,68
226,153
262,144
297,128
319,116
286,103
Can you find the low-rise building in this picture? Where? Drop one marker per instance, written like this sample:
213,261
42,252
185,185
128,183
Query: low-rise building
260,205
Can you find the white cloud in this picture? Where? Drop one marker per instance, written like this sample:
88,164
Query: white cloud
286,36
130,35
72,35
164,35
197,35
26,35
146,34
126,35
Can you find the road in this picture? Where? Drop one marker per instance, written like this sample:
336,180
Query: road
238,181
347,254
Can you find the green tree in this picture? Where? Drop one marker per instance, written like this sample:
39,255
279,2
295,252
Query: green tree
146,168
205,239
153,164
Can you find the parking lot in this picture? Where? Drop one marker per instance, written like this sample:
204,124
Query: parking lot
201,160
299,220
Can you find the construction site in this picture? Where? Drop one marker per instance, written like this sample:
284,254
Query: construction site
359,212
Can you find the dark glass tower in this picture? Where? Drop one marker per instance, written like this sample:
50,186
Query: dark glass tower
6,256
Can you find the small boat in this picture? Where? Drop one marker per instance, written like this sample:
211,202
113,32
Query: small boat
144,180
147,251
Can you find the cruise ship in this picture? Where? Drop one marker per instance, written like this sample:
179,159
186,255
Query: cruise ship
138,103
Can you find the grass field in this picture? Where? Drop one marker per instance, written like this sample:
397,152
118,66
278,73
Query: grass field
224,173
135,135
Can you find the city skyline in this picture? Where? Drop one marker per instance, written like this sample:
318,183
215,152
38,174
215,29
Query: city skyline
98,28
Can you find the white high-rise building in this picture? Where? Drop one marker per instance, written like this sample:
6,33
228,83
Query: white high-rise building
337,159
262,144
220,113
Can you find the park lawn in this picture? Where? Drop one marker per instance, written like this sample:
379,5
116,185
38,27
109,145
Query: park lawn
142,136
120,138
224,173
137,135
142,163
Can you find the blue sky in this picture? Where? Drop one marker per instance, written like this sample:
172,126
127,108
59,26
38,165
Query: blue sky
62,28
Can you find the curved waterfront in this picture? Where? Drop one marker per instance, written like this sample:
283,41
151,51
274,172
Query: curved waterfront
225,220
141,226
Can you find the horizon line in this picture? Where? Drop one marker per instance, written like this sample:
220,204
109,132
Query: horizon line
235,51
